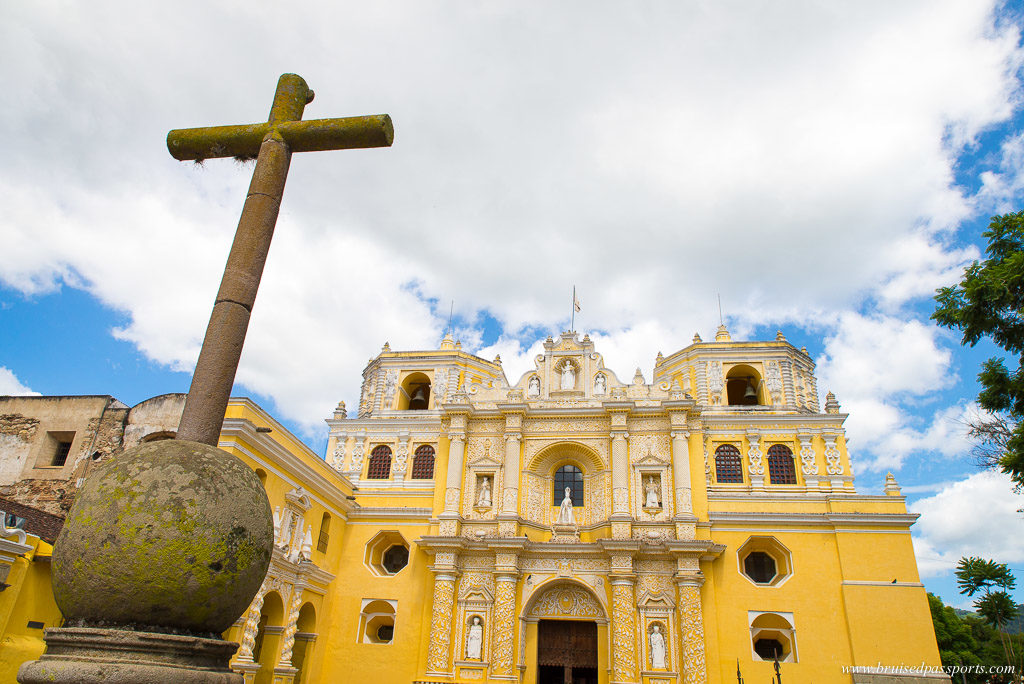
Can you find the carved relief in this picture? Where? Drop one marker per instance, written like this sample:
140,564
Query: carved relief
251,626
490,427
715,381
401,458
535,510
833,465
451,499
504,628
440,387
773,381
655,566
566,426
566,601
807,460
623,631
390,381
358,449
475,581
692,626
648,424
754,455
441,625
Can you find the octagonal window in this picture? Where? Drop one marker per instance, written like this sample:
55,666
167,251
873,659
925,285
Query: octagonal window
387,553
759,566
764,561
395,558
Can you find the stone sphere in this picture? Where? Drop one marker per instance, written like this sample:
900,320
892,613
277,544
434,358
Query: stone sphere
168,536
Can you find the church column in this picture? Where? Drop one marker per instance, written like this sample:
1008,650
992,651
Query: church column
620,473
285,671
681,473
624,647
503,634
510,497
691,625
244,662
453,485
440,648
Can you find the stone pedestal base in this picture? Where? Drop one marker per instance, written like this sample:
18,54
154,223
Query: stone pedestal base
83,655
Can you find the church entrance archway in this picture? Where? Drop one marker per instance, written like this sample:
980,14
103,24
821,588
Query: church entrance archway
566,652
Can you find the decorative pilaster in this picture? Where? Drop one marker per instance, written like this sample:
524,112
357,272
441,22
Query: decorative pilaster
624,648
756,460
439,651
503,636
510,496
620,473
691,624
453,485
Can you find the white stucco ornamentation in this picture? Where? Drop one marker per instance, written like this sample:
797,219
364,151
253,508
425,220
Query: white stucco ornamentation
833,464
716,382
807,460
773,380
754,455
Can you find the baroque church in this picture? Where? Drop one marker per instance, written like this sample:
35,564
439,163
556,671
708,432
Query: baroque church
567,526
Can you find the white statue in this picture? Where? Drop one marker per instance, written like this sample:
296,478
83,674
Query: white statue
565,514
484,498
474,640
657,641
568,376
599,384
651,489
534,390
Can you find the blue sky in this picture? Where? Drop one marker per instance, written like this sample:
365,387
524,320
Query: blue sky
821,168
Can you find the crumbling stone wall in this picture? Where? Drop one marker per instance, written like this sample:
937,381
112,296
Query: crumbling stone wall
51,496
16,434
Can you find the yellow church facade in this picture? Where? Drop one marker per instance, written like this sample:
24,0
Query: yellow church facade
572,526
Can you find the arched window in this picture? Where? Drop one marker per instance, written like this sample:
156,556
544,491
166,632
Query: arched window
780,465
572,477
380,463
423,463
325,533
728,467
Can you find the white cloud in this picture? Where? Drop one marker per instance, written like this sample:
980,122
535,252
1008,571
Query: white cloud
662,154
1001,188
11,386
977,516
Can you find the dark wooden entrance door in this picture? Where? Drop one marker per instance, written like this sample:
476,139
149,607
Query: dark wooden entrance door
566,652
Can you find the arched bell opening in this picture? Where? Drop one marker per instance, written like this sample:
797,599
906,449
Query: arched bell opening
743,387
415,394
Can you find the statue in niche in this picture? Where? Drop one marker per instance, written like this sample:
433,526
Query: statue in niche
565,513
600,386
534,389
568,376
657,643
475,639
651,490
484,497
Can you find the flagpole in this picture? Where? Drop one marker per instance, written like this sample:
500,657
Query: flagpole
572,321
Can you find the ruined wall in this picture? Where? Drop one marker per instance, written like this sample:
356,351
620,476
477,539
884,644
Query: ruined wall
17,433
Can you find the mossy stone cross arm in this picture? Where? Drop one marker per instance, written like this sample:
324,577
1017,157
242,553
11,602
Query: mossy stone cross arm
271,144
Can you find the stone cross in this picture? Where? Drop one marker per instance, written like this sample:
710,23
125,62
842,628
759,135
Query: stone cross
271,144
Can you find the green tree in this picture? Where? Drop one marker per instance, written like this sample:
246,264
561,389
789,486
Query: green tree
995,606
989,302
